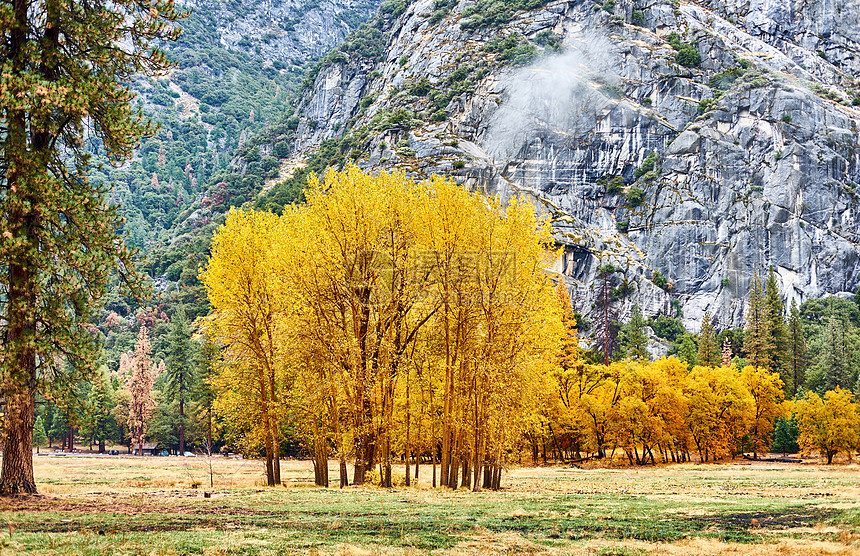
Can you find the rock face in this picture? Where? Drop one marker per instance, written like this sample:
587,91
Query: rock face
754,152
283,30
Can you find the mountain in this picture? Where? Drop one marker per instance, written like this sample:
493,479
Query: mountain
689,145
238,65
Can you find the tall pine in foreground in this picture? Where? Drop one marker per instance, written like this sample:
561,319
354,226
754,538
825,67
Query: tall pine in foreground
65,69
758,339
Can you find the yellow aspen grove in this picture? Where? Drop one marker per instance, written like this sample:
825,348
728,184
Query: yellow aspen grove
396,314
244,283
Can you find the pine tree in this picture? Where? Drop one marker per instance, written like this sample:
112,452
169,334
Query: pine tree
66,73
758,339
727,353
785,435
709,351
835,359
99,405
798,360
180,367
634,343
59,427
210,355
40,438
775,316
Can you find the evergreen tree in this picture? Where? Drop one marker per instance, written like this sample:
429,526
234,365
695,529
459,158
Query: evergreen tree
65,87
210,355
101,423
40,438
634,342
785,436
777,347
709,350
798,359
687,349
59,427
180,368
836,364
758,338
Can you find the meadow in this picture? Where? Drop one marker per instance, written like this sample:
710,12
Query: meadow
157,505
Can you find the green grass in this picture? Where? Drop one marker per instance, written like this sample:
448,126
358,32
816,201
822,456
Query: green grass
547,507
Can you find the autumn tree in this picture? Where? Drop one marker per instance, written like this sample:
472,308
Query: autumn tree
140,384
709,351
67,70
830,424
243,281
765,388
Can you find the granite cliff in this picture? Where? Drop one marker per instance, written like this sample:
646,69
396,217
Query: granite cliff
701,140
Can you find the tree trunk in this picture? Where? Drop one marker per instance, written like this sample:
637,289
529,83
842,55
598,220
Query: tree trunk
408,437
181,415
16,476
267,437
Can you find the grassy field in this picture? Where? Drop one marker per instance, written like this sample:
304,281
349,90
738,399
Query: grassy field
128,505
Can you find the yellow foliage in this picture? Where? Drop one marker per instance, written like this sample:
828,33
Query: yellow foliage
830,425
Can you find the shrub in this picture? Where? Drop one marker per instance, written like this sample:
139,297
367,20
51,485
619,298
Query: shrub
439,116
635,197
688,56
548,40
609,6
421,89
638,18
786,118
496,13
659,280
647,165
622,226
513,49
459,165
615,185
612,91
667,327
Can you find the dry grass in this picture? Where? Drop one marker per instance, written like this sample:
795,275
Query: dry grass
132,505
